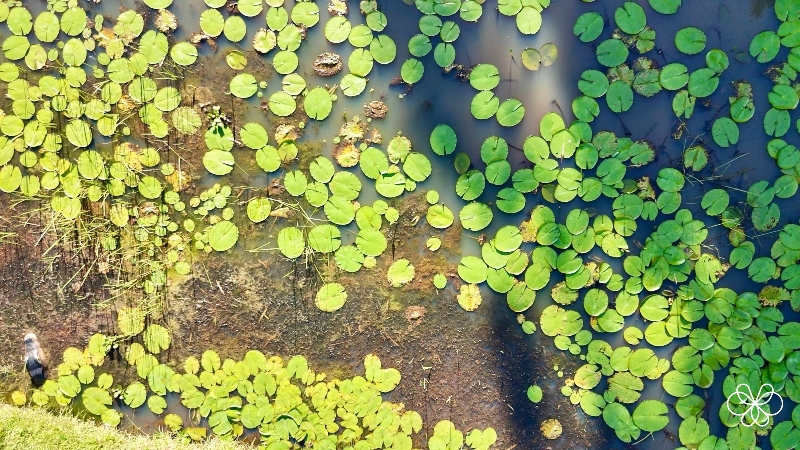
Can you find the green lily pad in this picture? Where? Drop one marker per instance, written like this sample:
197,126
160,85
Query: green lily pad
725,132
612,53
235,28
439,216
475,216
400,272
218,162
383,49
183,53
96,400
212,22
325,238
243,85
690,40
510,113
331,297
765,46
484,105
444,54
588,26
223,236
258,209
665,6
291,242
443,139
484,77
529,20
337,29
630,18
472,269
412,71
318,103
158,4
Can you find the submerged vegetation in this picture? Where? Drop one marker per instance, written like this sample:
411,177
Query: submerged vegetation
98,115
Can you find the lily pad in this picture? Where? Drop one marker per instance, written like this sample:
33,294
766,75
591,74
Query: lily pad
588,26
443,139
223,236
690,40
318,103
400,272
243,85
469,297
331,297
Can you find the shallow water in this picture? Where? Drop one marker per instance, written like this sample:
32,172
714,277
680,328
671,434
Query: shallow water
441,98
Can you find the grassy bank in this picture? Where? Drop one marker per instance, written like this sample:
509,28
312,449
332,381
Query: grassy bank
34,428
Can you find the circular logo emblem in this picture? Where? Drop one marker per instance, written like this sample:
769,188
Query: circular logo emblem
756,406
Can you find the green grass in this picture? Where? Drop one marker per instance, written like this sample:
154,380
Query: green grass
35,428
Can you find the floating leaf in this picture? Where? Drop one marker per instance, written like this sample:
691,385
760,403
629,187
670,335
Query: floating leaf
690,40
484,77
529,20
223,236
475,216
318,103
765,46
510,113
331,297
665,6
183,53
531,59
156,338
383,49
243,85
534,394
612,53
443,140
630,18
725,132
96,400
258,209
588,26
650,415
412,71
469,297
282,104
130,321
400,273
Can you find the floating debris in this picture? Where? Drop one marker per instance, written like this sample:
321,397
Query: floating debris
327,64
376,109
337,8
414,315
551,428
166,21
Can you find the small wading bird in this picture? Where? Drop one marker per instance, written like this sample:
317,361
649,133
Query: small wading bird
35,360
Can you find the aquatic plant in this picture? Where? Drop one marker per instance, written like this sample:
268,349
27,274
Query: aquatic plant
285,401
123,82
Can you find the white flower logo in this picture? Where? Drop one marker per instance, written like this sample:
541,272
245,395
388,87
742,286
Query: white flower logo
757,412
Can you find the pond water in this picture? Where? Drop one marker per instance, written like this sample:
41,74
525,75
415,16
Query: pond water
467,348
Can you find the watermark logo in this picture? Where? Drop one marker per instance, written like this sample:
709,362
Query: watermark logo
757,410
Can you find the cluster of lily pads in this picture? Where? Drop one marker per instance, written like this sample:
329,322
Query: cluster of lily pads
669,283
285,401
484,78
528,17
643,77
121,80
